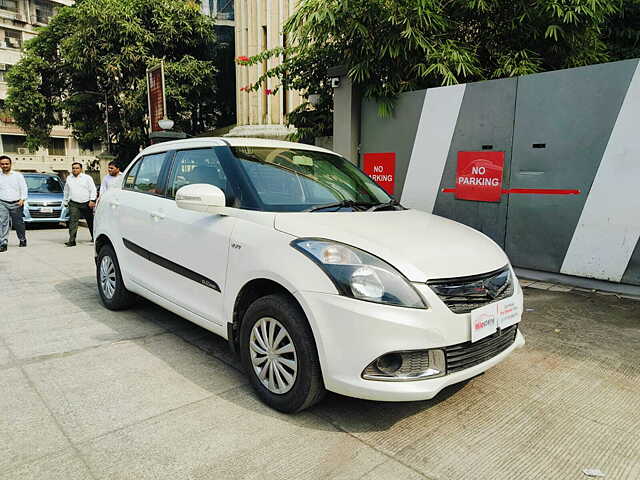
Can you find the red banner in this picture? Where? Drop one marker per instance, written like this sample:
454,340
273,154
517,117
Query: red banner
479,176
157,104
381,168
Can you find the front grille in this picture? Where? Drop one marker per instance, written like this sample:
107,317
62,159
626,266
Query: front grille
464,294
45,204
37,214
465,355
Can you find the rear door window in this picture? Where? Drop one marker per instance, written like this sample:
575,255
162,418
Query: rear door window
131,176
147,175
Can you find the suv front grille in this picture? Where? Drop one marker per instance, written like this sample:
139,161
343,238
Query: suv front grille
37,214
464,294
45,204
466,355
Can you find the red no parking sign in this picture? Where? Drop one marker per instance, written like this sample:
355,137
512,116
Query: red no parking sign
479,176
381,168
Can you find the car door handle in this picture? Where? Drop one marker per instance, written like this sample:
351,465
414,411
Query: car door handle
115,204
158,215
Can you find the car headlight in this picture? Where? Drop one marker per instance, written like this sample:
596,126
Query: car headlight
359,274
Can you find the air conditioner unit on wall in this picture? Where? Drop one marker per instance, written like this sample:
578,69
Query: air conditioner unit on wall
23,151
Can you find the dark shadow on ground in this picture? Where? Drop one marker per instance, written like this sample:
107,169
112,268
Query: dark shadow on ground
334,406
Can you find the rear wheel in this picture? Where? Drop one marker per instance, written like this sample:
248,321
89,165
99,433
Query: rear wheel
279,354
113,293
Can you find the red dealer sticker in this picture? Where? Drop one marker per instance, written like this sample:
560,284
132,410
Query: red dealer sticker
381,167
479,176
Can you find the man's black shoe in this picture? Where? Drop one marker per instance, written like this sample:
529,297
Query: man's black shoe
3,248
70,244
23,243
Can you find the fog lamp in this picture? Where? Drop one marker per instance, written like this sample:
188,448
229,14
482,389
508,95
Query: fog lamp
389,363
407,366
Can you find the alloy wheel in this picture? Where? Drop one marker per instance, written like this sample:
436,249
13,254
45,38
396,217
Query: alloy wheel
273,355
107,277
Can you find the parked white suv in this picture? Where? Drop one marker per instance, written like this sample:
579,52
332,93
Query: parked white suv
317,277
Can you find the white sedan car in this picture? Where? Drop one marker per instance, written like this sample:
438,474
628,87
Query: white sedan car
317,278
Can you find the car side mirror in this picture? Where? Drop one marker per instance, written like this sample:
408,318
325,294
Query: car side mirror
201,197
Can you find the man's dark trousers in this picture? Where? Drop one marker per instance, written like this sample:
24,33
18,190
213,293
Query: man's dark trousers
77,211
11,211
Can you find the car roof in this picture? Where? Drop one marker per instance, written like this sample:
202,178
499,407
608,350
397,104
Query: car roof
205,142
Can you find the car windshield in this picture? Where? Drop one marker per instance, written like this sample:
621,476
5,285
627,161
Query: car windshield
43,184
297,180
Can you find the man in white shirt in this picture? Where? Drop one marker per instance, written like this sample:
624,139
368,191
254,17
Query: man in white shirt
80,196
13,193
108,181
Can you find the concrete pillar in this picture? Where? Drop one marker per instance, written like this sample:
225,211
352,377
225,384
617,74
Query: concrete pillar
346,115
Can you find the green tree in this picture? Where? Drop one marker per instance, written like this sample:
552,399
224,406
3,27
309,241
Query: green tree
94,56
622,31
392,46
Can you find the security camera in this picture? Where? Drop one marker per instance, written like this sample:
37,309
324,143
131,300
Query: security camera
335,82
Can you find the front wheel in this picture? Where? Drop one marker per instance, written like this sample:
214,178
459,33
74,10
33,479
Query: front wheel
279,354
111,287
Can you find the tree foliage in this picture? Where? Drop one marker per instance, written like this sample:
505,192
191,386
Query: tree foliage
392,46
622,31
93,56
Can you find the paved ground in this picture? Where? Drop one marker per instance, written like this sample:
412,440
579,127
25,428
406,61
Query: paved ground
143,394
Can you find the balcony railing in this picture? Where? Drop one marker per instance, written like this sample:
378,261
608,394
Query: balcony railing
43,163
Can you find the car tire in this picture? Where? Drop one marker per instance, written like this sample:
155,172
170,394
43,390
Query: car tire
283,387
111,287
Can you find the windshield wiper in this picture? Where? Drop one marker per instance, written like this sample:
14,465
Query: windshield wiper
380,206
337,205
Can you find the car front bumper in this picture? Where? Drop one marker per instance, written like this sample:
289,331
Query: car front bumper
33,215
350,334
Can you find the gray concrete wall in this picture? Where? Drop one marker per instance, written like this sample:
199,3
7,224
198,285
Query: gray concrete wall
573,129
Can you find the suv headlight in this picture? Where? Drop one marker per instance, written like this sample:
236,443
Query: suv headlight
359,274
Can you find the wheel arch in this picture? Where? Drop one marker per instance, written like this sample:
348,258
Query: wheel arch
249,293
101,241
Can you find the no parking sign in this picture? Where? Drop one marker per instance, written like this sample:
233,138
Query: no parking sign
479,176
381,168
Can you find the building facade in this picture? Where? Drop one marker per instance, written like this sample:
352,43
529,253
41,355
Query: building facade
258,28
223,14
19,20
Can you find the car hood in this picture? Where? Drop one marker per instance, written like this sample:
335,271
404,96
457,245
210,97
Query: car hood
420,245
45,197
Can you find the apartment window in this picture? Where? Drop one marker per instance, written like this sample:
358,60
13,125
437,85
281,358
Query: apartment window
13,143
12,39
11,5
5,115
4,69
225,10
57,146
44,11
